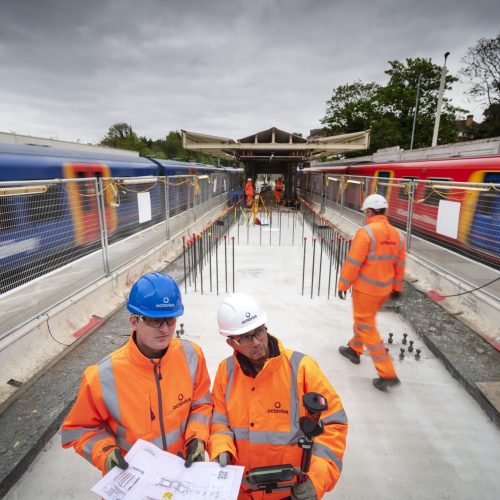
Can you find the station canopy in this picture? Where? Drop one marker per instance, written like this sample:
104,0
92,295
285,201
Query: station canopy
274,145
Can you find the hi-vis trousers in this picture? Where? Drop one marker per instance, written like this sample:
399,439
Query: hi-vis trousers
365,308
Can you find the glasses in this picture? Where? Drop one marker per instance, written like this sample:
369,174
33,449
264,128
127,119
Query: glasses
157,322
247,339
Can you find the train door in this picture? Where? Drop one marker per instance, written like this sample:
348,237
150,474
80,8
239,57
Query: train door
383,177
485,229
83,201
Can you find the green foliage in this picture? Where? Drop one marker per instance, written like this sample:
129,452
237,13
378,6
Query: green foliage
490,126
388,109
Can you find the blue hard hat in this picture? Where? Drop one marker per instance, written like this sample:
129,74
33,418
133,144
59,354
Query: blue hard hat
155,296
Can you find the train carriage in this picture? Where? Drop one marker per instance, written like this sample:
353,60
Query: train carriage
433,181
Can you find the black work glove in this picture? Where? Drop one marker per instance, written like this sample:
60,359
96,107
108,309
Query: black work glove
223,459
195,452
395,295
342,294
304,491
115,457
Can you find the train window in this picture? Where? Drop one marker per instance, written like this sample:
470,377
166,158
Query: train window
432,196
404,187
7,218
382,186
45,206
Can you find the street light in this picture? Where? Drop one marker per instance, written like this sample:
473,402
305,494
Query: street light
440,101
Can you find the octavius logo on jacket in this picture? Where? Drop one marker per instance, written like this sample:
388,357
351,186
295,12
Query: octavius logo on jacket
277,409
181,402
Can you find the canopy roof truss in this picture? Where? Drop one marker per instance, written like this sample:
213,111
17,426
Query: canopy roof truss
275,144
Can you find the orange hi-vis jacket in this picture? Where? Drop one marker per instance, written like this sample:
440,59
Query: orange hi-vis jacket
279,185
249,191
128,396
257,419
376,261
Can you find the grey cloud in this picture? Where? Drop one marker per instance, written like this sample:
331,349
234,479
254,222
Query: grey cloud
220,67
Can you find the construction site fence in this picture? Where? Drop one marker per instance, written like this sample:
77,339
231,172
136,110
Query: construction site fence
461,216
105,223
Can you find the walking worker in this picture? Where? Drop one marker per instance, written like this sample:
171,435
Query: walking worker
257,396
278,190
249,192
154,387
374,268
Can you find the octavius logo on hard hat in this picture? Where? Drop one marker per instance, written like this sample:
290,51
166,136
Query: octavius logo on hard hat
166,301
249,317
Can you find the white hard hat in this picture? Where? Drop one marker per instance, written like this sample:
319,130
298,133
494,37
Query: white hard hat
238,314
374,201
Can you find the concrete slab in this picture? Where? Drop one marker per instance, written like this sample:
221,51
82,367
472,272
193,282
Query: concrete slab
425,439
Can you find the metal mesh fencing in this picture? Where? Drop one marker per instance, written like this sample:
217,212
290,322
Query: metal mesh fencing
462,217
45,226
103,223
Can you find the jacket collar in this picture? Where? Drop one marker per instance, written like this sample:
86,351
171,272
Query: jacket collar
377,218
275,351
138,359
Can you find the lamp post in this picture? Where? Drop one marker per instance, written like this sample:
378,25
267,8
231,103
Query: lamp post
440,101
415,113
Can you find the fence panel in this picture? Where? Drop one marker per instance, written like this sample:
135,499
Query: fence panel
45,225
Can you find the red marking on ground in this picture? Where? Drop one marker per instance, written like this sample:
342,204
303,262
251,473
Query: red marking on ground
94,322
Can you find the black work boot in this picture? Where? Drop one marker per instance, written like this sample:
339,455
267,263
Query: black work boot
383,383
350,354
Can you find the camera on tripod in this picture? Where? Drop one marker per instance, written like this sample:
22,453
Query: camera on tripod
281,477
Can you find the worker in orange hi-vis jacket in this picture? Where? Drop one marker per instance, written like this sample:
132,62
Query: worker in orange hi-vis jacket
257,397
249,192
278,191
374,268
154,387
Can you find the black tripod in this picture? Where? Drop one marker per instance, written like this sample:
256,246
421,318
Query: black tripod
280,477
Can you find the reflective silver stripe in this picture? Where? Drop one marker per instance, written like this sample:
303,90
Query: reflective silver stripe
225,432
220,418
241,433
339,417
374,282
171,437
320,450
205,399
382,257
402,240
68,435
110,395
375,347
401,263
360,326
89,445
199,417
345,281
295,360
357,342
369,230
230,373
381,357
353,261
192,360
274,437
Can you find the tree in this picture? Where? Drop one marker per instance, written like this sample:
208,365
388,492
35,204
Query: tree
388,109
352,107
483,70
398,99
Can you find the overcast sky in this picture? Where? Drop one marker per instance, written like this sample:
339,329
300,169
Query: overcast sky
69,69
